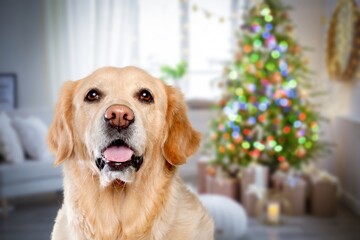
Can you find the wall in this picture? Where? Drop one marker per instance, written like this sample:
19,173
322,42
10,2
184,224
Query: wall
21,50
340,103
346,132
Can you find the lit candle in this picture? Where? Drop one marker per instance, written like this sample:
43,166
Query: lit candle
273,212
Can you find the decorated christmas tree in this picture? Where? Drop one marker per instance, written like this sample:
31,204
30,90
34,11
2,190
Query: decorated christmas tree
265,115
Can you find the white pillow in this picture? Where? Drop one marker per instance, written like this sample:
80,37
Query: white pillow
10,146
32,134
229,216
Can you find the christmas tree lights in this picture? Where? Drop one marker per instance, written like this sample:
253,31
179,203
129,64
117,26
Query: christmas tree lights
265,115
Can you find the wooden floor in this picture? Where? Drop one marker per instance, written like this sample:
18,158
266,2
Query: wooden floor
34,221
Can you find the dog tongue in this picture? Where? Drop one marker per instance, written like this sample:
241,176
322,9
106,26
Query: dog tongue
118,154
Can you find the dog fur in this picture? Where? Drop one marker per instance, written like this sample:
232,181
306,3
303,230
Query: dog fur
152,203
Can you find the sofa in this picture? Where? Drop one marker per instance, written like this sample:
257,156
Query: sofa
26,173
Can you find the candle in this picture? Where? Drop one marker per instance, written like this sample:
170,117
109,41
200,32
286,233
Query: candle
273,212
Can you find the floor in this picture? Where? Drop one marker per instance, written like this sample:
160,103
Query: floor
346,226
34,221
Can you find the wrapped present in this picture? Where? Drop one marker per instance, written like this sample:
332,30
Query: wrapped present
278,179
254,174
324,195
294,192
202,173
223,186
308,172
252,200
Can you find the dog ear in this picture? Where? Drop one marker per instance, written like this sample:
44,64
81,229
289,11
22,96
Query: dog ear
181,139
60,137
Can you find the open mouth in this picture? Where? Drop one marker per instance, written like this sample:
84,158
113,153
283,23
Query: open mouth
118,156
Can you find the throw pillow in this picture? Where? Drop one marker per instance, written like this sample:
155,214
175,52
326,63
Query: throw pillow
10,146
32,134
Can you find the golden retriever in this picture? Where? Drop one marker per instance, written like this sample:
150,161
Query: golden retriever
120,135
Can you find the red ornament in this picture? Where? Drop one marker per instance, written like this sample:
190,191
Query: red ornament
247,131
302,116
261,118
255,153
287,129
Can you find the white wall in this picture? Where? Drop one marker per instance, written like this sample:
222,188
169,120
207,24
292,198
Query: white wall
340,105
21,51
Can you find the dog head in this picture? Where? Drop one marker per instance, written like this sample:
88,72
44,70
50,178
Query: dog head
118,122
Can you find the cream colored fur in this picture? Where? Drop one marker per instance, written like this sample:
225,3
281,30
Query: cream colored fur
155,204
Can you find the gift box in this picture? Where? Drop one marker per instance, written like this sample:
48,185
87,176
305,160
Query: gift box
252,200
202,173
223,186
324,195
254,174
278,179
294,192
308,172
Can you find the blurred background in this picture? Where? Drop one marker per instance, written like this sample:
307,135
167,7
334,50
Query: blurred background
272,85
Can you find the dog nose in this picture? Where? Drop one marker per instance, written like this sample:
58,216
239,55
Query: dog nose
119,116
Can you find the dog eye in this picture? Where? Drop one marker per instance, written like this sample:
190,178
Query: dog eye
145,96
92,95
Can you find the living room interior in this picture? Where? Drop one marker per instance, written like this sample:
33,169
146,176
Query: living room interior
256,182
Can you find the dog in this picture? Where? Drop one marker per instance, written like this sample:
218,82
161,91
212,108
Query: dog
120,135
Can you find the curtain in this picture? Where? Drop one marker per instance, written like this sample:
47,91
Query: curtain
82,35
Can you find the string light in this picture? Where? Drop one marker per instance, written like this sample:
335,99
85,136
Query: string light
278,148
302,140
265,117
245,145
275,54
233,75
297,124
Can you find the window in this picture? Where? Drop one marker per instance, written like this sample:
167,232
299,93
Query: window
199,31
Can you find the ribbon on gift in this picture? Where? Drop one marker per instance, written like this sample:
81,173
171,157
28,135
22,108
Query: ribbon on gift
259,192
324,176
260,174
309,169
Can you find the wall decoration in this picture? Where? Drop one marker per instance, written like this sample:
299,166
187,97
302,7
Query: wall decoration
343,41
7,91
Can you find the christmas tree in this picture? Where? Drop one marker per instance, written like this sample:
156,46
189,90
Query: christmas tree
265,116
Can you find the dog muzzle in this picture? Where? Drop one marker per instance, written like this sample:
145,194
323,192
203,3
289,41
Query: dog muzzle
118,156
